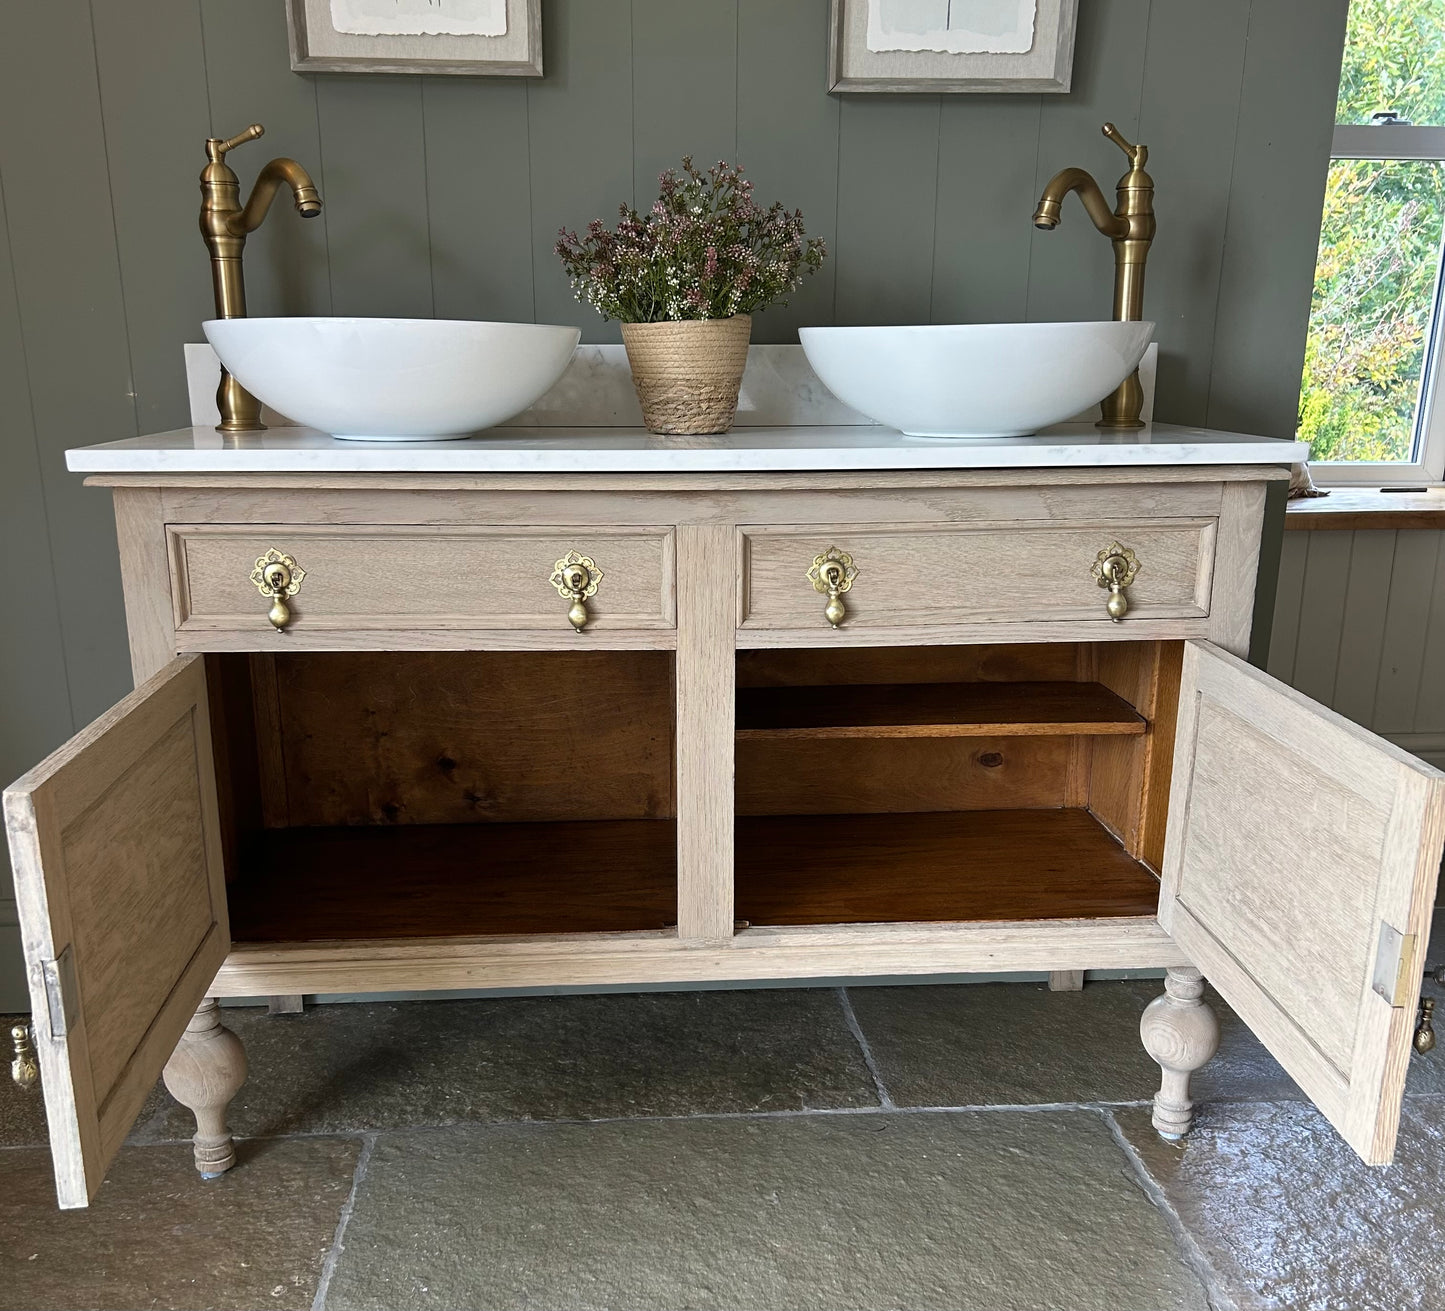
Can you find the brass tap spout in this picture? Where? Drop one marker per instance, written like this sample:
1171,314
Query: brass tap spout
225,224
1130,226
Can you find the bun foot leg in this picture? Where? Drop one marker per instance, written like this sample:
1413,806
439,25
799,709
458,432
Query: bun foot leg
205,1072
1181,1033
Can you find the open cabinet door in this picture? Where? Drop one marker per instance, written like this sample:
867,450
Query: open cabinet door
116,847
1299,875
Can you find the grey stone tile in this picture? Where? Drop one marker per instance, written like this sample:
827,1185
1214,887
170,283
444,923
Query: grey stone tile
22,1114
997,1210
389,1065
1289,1217
157,1235
1019,1044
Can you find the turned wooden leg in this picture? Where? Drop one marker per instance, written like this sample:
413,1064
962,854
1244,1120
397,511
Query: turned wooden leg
1181,1033
205,1071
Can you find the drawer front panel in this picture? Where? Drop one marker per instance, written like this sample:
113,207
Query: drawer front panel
419,577
975,574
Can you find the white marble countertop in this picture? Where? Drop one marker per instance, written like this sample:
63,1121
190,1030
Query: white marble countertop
822,449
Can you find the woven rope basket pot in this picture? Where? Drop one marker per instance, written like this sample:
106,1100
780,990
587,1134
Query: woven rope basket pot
687,373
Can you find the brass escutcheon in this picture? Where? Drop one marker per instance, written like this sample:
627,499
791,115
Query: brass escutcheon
833,573
24,1068
576,577
1115,567
278,576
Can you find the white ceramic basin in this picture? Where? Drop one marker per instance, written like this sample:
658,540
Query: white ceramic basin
975,379
393,380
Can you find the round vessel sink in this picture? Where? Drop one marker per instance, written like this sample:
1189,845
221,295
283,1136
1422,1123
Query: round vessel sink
975,379
393,380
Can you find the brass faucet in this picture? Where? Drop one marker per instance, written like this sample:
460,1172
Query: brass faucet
1130,226
225,224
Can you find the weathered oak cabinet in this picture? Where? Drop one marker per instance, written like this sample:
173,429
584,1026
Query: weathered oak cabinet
1028,743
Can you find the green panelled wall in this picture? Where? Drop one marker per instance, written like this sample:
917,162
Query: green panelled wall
443,197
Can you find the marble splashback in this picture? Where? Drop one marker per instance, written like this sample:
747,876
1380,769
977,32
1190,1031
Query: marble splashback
780,390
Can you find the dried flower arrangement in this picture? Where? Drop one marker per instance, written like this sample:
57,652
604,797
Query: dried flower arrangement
684,279
705,250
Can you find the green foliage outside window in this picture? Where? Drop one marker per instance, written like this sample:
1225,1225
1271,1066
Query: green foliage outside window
1379,244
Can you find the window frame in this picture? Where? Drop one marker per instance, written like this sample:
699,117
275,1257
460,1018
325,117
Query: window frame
1384,142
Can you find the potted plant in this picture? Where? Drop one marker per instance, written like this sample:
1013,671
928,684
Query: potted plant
684,280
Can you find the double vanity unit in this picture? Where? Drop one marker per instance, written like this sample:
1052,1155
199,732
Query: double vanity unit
593,707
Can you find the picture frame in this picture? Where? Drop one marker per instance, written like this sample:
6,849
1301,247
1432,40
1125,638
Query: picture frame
319,46
1045,65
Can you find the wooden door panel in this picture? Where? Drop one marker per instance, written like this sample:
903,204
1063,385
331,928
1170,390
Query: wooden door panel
1300,850
115,842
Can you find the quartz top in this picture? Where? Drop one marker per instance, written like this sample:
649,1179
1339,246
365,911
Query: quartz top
573,451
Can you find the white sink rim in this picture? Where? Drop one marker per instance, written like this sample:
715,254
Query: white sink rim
363,378
973,380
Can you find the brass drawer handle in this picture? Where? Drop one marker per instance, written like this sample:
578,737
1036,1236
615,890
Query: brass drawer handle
278,576
833,572
1115,568
24,1069
576,577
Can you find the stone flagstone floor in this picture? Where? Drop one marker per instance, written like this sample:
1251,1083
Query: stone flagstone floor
979,1146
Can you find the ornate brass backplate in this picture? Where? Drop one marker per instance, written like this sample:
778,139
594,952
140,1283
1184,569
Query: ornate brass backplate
1115,567
833,573
278,576
576,577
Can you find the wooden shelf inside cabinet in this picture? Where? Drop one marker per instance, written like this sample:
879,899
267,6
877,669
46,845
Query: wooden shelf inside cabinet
935,710
444,880
940,866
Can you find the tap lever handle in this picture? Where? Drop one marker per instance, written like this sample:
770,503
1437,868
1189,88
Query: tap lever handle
1137,154
216,147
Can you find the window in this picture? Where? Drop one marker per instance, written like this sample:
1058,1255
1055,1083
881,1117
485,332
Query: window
1372,399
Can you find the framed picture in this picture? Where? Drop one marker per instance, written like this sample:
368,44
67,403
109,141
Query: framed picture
477,37
951,45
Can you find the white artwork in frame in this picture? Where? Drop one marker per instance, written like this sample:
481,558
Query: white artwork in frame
955,27
420,17
929,46
496,38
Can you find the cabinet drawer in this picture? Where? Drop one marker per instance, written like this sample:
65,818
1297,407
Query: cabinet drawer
412,578
970,574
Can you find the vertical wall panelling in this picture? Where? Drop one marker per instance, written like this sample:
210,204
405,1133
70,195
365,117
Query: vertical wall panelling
477,173
68,288
249,79
787,140
580,128
1281,152
1430,702
1366,593
153,98
32,656
1193,65
1322,609
1412,581
684,87
374,185
1071,269
887,185
1284,628
987,168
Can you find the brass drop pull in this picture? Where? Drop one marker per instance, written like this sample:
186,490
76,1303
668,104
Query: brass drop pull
278,576
24,1068
576,577
833,572
1425,1028
1115,568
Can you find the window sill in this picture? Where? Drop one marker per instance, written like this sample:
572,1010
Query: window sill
1347,509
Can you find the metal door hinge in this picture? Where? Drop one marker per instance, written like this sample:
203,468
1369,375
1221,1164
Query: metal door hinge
61,993
1395,967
